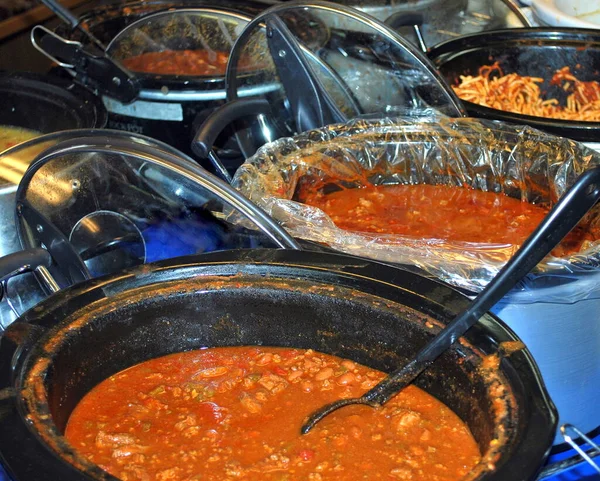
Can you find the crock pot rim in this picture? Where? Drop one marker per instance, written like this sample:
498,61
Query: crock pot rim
542,406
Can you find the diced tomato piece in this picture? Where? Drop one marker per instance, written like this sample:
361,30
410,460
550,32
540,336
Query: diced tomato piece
210,412
306,455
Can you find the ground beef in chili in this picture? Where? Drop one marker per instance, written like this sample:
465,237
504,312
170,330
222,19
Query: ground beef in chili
180,62
235,413
449,213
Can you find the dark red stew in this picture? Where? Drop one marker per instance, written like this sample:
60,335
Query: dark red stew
438,212
235,413
180,62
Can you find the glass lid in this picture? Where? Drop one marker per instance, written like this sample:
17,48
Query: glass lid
103,201
192,42
441,20
362,68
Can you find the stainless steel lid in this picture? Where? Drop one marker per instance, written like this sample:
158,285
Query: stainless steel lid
100,201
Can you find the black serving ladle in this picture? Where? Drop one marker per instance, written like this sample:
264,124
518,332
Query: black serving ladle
565,215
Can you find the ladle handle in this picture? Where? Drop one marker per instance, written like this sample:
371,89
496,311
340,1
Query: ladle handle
90,66
565,215
66,16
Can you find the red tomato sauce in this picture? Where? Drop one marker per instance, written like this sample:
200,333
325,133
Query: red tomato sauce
235,413
180,62
438,212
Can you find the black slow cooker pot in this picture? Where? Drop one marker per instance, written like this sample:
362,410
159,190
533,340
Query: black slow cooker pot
536,52
375,314
47,104
107,19
171,107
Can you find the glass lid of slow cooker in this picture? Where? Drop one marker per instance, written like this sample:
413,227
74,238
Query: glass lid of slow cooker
363,68
103,201
441,20
193,42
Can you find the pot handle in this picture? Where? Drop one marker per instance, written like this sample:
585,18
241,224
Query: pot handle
88,64
37,260
217,121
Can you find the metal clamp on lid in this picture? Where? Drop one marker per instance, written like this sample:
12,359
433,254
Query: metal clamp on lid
589,455
585,454
89,64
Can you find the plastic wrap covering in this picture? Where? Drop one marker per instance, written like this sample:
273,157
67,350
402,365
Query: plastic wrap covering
491,156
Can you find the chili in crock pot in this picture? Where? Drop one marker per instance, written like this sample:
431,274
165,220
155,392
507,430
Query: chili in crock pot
236,412
180,62
449,213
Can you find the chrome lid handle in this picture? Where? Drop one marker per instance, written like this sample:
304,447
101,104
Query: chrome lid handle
31,260
24,261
